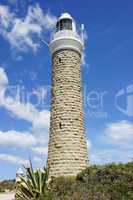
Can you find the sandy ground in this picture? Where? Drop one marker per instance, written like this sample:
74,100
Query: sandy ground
7,196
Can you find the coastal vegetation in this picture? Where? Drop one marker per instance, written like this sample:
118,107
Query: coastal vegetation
106,182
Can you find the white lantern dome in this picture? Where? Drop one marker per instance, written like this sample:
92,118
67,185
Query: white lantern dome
65,16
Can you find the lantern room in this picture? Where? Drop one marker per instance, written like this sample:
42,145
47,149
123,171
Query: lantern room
65,22
65,35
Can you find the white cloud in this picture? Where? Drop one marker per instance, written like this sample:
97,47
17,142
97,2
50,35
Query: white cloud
17,139
40,162
115,144
119,132
24,33
3,78
3,83
35,15
116,155
38,119
13,159
6,18
40,150
102,157
88,144
28,112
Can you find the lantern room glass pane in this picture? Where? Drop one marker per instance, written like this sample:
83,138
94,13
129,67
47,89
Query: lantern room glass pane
64,24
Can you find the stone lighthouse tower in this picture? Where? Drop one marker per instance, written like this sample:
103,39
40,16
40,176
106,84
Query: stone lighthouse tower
67,152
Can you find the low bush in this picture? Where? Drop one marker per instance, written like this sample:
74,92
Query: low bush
108,182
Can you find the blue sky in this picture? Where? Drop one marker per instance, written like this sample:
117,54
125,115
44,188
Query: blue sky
25,76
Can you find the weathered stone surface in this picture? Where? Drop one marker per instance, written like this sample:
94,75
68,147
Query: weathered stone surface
67,153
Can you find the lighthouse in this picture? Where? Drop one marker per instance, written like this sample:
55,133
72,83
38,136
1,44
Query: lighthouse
67,150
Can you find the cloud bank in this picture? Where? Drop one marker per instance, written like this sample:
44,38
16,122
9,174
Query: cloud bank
36,138
24,34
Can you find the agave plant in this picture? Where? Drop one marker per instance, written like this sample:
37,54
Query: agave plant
34,186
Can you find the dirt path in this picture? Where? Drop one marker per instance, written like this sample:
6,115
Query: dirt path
7,196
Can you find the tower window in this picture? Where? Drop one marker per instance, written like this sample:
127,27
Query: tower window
60,125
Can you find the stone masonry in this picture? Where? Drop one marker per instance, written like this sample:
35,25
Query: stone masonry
67,153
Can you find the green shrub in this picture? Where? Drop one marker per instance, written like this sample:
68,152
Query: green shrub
108,182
